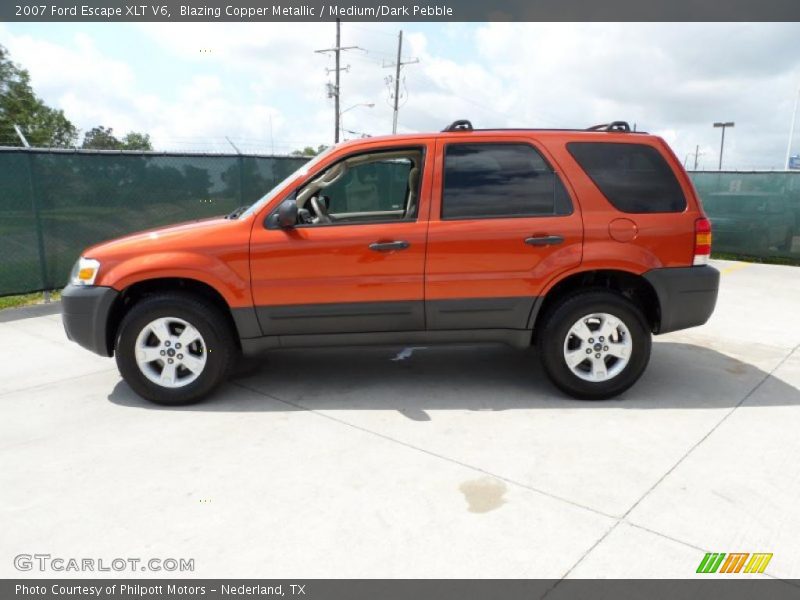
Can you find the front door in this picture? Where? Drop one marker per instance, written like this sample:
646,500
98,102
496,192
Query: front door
502,225
355,261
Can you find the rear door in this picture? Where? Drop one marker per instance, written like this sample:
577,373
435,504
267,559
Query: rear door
502,225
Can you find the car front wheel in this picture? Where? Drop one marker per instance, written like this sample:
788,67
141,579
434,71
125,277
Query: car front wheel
174,349
595,345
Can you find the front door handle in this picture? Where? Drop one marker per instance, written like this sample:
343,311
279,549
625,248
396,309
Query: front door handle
544,240
389,246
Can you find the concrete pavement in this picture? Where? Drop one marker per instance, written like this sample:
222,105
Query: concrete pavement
427,462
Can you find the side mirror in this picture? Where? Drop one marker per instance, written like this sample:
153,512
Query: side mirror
287,214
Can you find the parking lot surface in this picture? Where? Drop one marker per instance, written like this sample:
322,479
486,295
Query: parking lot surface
458,461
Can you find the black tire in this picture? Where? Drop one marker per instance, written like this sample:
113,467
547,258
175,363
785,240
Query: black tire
220,347
559,320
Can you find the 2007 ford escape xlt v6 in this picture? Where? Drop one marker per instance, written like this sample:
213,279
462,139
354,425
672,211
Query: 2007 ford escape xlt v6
582,242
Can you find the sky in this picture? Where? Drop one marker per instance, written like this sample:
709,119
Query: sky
194,86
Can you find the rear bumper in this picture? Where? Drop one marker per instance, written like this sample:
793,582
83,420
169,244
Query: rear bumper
84,311
686,295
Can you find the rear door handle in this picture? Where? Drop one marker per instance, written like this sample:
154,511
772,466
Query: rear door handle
389,246
544,240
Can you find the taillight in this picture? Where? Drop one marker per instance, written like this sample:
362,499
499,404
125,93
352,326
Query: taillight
702,241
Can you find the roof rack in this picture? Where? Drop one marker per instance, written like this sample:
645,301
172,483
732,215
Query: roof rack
464,125
617,126
460,125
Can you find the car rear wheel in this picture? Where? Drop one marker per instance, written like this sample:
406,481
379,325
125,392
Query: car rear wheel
174,348
595,344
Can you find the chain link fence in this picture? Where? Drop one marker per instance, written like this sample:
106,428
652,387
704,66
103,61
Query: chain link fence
754,214
54,203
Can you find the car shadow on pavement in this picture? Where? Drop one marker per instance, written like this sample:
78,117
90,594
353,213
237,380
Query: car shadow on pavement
413,381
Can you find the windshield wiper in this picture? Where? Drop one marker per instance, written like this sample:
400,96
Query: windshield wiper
237,213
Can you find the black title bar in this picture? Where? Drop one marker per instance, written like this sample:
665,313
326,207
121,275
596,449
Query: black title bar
712,587
399,10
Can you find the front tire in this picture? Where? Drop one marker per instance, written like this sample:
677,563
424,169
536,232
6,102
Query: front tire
174,348
594,345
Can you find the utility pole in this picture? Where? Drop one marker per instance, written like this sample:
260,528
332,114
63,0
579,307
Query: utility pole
336,91
338,73
791,130
724,125
696,154
398,65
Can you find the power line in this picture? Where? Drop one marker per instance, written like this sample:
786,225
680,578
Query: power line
399,64
335,91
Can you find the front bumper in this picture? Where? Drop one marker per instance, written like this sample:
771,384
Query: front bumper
686,295
84,311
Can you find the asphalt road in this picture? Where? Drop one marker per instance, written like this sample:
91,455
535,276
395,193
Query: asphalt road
423,462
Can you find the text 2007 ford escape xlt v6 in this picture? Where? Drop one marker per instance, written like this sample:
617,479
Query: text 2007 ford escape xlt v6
582,242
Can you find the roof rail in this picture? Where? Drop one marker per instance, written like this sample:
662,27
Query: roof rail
460,125
617,126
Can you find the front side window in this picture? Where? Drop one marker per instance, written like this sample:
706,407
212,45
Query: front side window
491,180
378,186
634,177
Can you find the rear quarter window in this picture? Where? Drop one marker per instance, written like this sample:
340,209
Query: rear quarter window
634,178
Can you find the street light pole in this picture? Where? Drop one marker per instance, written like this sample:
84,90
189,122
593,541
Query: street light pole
723,125
364,104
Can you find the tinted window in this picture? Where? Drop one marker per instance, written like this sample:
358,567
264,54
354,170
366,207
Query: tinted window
500,180
634,177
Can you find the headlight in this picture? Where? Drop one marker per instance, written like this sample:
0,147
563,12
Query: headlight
84,272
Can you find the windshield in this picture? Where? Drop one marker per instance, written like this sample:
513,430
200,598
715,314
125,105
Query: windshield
269,196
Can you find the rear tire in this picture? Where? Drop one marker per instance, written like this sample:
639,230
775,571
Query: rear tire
594,344
174,348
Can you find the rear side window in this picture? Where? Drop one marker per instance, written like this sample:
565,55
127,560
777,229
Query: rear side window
500,180
634,177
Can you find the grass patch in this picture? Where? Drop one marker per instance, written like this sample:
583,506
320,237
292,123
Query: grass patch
26,299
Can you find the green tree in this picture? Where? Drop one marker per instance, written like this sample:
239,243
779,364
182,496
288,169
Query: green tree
103,138
42,125
100,138
309,151
136,141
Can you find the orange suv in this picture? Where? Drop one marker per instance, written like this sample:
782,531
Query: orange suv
582,242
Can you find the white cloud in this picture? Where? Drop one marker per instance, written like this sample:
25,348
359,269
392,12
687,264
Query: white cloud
253,79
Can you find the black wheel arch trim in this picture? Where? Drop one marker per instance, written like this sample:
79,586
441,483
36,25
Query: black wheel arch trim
686,295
